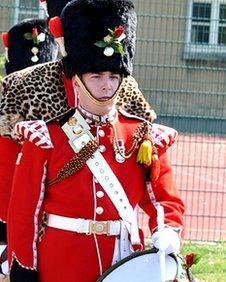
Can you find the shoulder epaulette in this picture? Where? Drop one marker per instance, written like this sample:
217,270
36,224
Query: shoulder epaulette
35,132
163,136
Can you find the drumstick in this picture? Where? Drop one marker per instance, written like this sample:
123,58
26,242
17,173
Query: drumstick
160,222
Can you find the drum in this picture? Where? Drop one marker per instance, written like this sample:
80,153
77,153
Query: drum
142,266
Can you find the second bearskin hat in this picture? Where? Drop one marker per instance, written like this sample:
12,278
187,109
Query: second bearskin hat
28,43
53,7
99,35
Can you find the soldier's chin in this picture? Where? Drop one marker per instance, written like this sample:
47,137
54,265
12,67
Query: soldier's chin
105,98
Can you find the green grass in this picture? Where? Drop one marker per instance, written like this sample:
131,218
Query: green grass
212,266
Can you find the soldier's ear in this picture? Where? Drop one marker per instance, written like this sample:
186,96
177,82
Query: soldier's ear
74,81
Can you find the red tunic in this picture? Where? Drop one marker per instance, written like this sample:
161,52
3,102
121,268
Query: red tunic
8,154
64,255
9,150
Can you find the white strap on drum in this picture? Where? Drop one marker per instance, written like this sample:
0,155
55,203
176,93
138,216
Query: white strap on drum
105,176
160,222
161,253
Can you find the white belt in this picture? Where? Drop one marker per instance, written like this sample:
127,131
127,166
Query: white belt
86,226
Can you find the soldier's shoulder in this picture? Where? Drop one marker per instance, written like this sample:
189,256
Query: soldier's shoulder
130,116
61,118
35,132
132,100
163,136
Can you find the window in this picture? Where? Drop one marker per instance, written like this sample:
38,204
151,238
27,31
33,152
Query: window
222,25
206,30
26,9
200,23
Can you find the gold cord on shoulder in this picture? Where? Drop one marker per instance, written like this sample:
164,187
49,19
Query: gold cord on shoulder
138,135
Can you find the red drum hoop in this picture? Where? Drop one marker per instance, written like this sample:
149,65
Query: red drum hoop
142,266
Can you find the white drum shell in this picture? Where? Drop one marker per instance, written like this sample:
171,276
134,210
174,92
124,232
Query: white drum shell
141,268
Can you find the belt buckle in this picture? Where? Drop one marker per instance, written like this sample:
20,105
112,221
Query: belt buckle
98,227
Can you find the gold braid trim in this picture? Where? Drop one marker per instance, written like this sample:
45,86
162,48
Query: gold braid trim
139,134
76,163
43,226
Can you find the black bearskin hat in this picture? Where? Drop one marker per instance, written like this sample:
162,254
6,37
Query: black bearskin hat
29,43
91,29
55,7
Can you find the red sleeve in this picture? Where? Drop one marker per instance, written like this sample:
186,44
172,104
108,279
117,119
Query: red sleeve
9,150
25,205
167,195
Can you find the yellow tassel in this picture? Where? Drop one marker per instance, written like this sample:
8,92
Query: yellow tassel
144,155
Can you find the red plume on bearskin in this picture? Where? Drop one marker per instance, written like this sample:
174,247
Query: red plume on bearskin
55,26
5,40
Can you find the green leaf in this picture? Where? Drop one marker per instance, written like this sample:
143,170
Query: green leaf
101,44
111,32
28,36
118,48
36,41
197,258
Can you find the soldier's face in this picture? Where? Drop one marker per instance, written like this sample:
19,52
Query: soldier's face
102,86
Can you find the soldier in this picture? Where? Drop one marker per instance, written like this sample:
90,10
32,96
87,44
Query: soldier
26,44
43,92
80,176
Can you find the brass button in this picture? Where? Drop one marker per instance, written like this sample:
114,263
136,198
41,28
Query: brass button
102,148
100,194
101,133
99,210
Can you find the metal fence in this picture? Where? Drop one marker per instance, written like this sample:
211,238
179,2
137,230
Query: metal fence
180,66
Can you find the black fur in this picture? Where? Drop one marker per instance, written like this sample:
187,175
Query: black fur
19,52
55,7
86,22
